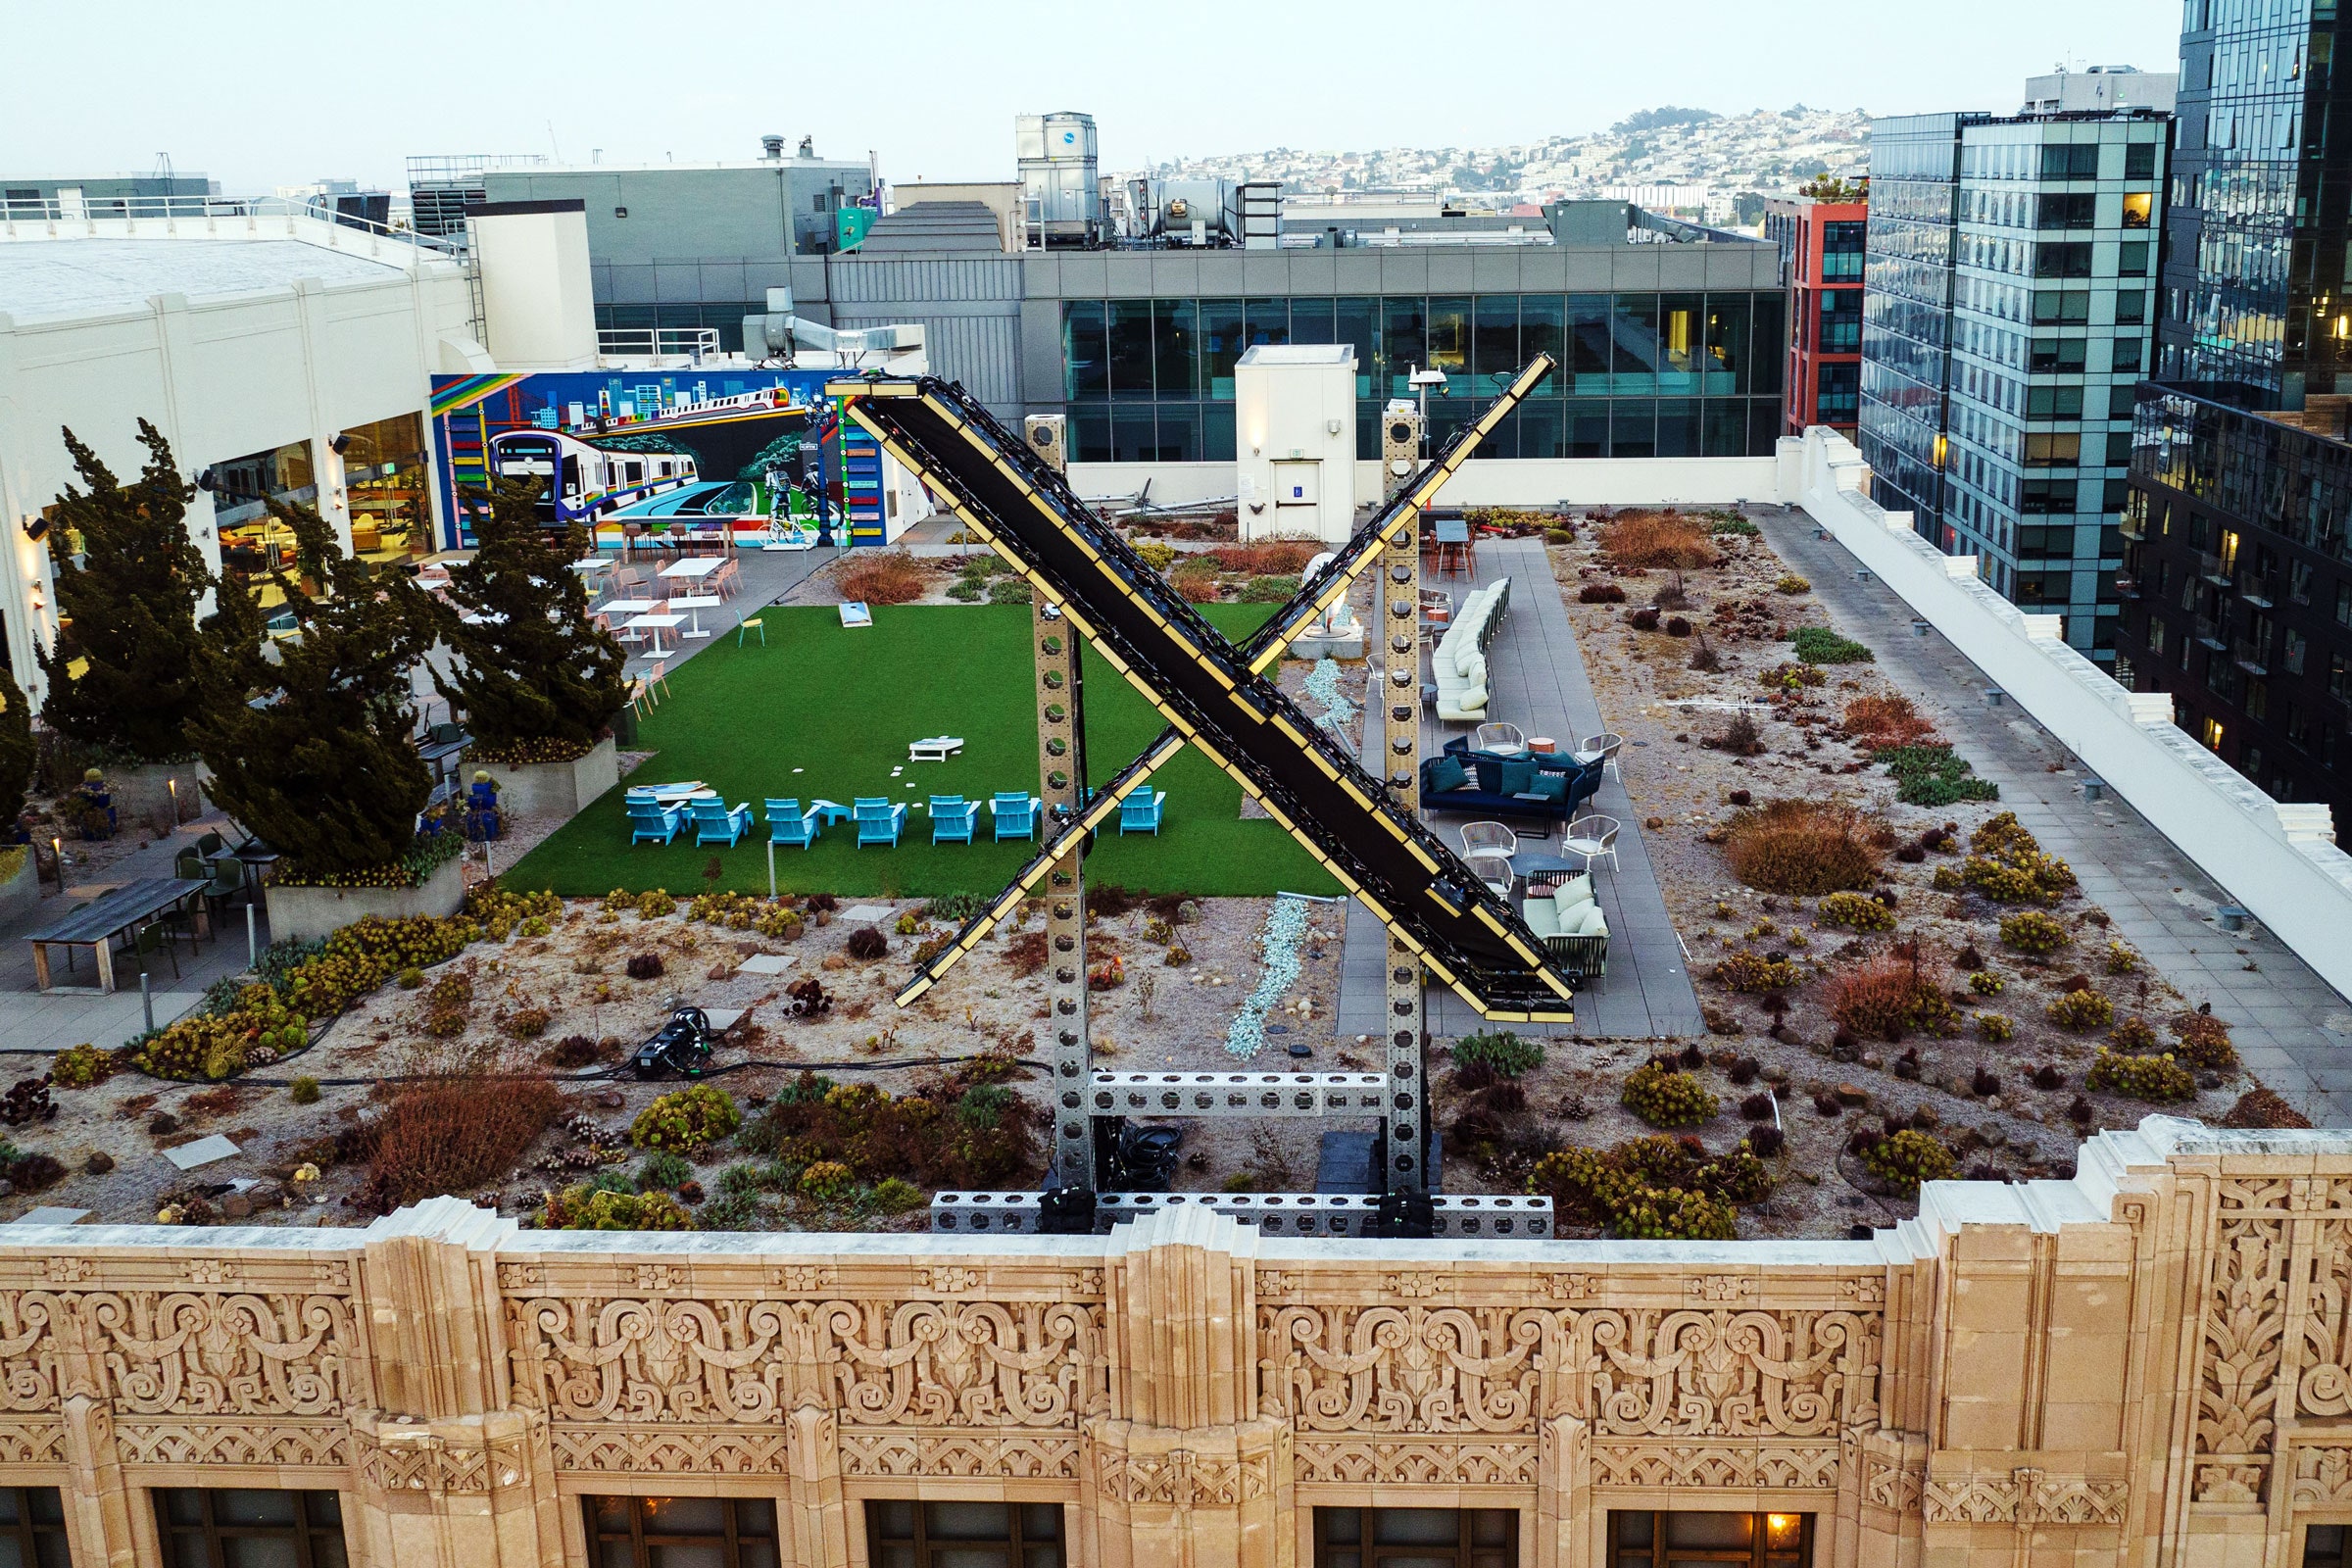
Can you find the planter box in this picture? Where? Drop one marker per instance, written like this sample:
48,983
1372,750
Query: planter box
138,791
551,789
21,894
305,913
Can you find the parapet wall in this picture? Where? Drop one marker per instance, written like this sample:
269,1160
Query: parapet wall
2279,861
2150,1363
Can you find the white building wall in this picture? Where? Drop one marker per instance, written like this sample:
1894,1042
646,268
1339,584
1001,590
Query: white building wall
537,294
1293,433
220,378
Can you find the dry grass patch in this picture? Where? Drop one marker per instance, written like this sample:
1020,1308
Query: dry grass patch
894,577
1807,848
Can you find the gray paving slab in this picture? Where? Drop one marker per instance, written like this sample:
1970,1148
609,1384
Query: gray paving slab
1538,681
2281,1008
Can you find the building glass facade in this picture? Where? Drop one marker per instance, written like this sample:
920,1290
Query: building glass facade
2027,444
2237,581
1822,248
1641,375
1907,309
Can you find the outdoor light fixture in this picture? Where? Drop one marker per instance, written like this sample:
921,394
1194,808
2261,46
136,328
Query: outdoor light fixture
36,529
340,445
209,479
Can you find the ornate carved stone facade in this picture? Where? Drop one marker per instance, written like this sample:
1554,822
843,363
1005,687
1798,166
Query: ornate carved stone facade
2167,1370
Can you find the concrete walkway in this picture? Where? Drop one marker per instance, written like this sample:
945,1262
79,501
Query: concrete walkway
1538,682
2292,1029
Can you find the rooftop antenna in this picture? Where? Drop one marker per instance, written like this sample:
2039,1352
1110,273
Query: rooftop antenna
551,141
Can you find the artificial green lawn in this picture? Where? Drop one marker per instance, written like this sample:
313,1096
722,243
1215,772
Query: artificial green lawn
843,705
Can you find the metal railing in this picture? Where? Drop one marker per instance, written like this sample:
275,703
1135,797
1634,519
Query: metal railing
695,343
20,210
2211,567
2261,589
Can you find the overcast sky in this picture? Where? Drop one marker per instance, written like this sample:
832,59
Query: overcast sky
260,93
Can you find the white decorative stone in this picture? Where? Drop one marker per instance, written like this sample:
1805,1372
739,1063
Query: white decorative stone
203,1152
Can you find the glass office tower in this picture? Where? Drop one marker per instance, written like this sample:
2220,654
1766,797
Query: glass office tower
2237,574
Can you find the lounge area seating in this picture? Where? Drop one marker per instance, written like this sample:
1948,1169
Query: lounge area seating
1140,812
1572,926
953,818
650,823
879,820
1014,815
1458,663
715,823
1538,785
789,825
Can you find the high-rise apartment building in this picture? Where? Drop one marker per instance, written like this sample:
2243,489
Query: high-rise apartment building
2237,568
2007,309
1821,250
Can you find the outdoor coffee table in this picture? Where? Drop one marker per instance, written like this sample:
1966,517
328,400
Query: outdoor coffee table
96,924
829,813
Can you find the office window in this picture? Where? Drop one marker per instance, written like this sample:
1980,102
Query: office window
2211,732
1416,1537
2072,210
2064,307
1541,320
1085,351
1682,337
1588,434
1130,348
1449,339
1268,321
906,1534
2070,259
2054,403
1688,1539
1221,344
1313,321
1589,361
1726,423
1175,348
1634,331
1356,323
2130,307
2072,161
227,1528
1770,337
2059,354
2047,449
1634,429
1494,355
2138,208
2127,356
2132,259
32,1528
2139,161
1404,330
674,1532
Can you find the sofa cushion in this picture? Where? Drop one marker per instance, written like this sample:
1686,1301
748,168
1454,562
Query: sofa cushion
1518,776
1488,770
1471,699
1541,916
1551,785
1447,773
1589,922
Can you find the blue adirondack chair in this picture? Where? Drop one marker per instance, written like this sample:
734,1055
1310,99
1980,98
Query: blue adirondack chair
1140,812
650,823
952,818
1014,815
788,824
715,823
879,822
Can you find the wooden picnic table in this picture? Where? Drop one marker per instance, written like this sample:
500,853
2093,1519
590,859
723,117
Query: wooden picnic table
97,923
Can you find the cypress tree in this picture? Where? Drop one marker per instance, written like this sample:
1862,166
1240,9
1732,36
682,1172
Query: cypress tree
539,682
131,601
309,748
16,755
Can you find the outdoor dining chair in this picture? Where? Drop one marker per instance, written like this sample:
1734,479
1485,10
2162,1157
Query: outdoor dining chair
155,936
1503,740
1488,838
1603,746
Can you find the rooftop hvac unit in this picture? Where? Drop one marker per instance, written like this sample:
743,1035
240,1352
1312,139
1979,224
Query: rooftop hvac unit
1062,190
1257,219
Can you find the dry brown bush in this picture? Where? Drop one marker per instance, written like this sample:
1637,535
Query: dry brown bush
1665,539
455,1135
1807,848
1887,997
894,577
1887,721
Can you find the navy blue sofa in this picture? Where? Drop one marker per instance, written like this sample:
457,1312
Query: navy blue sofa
1482,789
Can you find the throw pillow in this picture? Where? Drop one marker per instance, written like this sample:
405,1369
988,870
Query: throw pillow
1593,923
1447,773
1518,776
1551,785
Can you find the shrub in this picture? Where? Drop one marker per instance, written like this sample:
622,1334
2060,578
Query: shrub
1887,721
1852,912
2080,1011
1196,582
966,590
1269,590
1748,972
827,1181
2035,932
665,1168
1790,582
1818,645
213,1047
592,1208
1643,619
526,1024
893,1195
1667,1096
1656,1185
957,908
654,905
1984,982
1677,627
1600,593
1009,591
2156,1079
645,966
1805,848
1791,677
2205,1043
891,578
1887,997
1931,775
2028,877
927,1136
410,978
80,1067
1741,735
867,943
694,1117
450,1135
2133,1034
1502,1051
1909,1158
1664,539
304,1090
1995,1027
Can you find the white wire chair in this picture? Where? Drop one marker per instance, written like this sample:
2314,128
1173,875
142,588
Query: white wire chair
1503,740
1592,838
